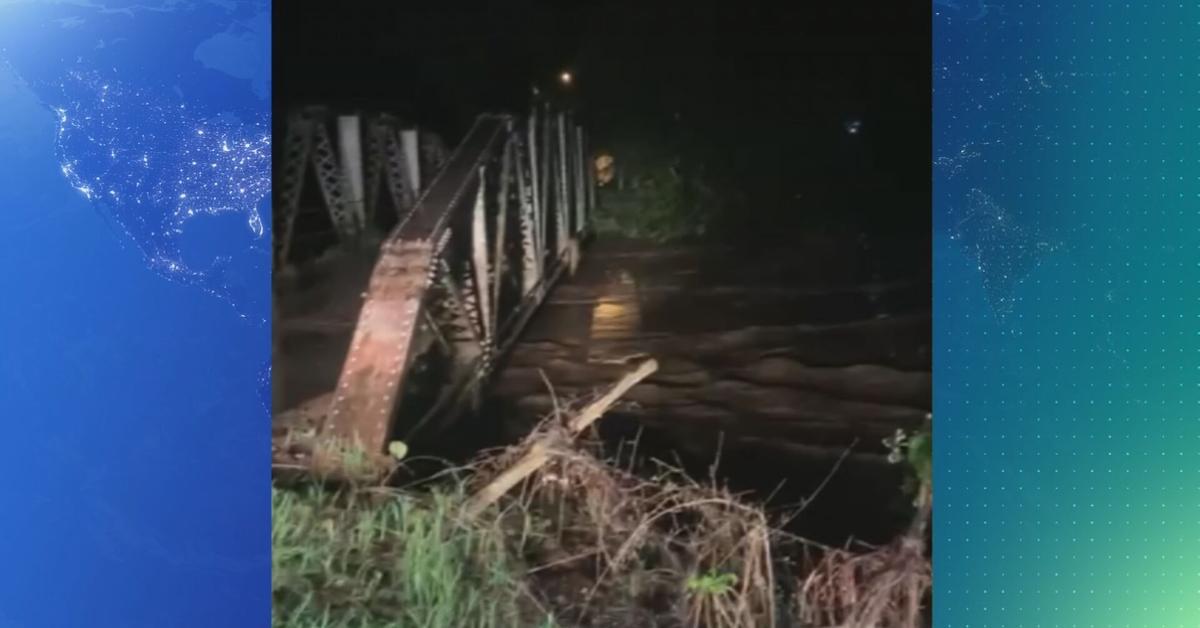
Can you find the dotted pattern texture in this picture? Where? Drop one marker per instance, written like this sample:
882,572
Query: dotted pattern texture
1067,313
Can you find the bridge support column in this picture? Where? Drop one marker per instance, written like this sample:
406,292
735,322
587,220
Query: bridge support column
350,149
563,211
580,182
410,143
532,239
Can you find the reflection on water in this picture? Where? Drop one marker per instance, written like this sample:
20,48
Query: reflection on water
617,313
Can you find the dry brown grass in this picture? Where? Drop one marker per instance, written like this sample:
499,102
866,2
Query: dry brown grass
705,550
885,587
663,533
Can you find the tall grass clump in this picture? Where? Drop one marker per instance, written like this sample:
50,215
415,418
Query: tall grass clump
359,558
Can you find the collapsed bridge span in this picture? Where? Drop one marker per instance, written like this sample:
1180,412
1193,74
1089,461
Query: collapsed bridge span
470,253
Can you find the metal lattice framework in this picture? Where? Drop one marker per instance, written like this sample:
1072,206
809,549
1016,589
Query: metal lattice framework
352,172
469,260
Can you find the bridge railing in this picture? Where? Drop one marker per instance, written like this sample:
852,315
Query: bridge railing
461,272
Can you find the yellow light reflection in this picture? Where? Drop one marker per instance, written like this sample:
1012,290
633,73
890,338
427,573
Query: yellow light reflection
617,314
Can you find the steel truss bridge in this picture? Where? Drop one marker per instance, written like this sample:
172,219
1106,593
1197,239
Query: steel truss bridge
469,241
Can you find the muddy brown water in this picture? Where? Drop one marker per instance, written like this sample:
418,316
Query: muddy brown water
781,370
786,367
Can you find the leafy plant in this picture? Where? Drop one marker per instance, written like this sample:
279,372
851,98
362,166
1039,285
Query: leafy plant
657,203
916,451
712,583
920,456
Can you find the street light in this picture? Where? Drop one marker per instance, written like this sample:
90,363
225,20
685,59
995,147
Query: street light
565,77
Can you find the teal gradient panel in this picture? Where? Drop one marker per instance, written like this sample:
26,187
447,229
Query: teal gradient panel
1067,314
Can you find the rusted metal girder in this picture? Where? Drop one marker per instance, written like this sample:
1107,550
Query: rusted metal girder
369,384
449,280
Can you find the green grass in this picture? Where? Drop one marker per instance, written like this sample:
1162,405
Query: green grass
357,559
711,583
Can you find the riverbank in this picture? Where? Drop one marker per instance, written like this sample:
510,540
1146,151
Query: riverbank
550,532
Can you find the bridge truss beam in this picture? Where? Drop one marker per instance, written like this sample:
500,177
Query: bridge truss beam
353,166
461,272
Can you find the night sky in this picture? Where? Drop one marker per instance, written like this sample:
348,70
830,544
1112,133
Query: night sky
759,95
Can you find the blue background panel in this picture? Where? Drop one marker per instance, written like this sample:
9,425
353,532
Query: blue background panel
134,303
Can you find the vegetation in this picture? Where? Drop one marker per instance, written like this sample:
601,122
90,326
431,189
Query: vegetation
579,541
657,199
363,559
656,209
889,585
916,452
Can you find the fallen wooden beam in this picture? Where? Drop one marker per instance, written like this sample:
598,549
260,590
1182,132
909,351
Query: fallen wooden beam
539,452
